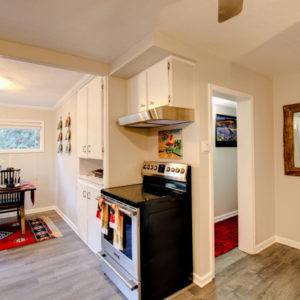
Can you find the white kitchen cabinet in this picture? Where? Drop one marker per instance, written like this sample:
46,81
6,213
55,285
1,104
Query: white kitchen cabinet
158,84
82,211
94,225
137,93
89,227
168,82
90,104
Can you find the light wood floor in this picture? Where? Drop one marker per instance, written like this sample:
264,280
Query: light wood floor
273,274
58,269
65,269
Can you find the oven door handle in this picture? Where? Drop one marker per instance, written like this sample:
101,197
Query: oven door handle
127,212
131,284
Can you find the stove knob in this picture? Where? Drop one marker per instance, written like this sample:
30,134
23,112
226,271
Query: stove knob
173,170
155,167
177,170
148,167
151,167
168,169
145,166
182,171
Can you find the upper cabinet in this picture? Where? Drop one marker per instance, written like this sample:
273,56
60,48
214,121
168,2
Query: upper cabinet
168,82
137,93
158,84
90,104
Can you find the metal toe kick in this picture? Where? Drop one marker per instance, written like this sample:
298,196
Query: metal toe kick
130,287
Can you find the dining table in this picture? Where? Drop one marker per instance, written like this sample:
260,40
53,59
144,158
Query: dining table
13,200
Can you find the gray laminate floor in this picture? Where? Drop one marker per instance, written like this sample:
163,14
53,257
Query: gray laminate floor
65,269
273,274
58,269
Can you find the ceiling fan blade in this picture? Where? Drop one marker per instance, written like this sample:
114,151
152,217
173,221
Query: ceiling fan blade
229,9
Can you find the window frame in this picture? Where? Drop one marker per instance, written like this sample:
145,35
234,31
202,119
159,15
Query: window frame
18,124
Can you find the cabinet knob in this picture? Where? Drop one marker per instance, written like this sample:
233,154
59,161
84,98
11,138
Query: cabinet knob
84,194
88,195
84,148
89,148
152,102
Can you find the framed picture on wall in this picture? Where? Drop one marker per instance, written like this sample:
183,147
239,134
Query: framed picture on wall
226,131
170,144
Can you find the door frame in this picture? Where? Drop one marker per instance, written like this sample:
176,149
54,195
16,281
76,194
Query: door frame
245,169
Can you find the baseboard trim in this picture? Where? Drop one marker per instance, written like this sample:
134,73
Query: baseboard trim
276,239
226,216
203,280
287,242
67,220
265,244
29,211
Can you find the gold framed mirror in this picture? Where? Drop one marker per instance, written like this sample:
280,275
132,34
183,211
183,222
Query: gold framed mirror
291,135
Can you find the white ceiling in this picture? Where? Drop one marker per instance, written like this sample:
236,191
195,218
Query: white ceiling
37,85
264,37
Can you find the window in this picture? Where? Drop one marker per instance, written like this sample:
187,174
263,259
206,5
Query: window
21,136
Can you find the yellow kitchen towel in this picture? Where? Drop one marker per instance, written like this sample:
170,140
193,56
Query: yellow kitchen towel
102,214
118,231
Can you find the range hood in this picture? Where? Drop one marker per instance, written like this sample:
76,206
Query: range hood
159,116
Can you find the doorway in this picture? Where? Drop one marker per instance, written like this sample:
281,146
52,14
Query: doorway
244,168
224,148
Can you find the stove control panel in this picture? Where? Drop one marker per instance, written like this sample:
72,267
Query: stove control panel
174,171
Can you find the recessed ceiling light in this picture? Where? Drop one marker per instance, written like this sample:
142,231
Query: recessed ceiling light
6,84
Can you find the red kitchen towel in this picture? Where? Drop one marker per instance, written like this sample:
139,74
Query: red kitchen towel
112,216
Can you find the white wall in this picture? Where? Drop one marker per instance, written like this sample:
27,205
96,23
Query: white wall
67,164
225,169
126,147
38,168
287,188
216,71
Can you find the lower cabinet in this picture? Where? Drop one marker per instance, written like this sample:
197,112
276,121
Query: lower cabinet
89,227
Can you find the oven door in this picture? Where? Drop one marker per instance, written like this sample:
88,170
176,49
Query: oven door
129,257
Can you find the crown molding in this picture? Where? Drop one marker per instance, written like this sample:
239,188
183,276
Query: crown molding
80,83
27,106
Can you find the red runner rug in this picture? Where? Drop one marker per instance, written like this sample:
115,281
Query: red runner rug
36,231
226,235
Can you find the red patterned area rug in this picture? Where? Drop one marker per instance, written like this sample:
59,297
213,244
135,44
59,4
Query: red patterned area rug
37,230
226,235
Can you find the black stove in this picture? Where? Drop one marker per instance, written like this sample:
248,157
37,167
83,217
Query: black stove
156,259
138,194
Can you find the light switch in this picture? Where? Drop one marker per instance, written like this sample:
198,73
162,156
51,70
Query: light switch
205,147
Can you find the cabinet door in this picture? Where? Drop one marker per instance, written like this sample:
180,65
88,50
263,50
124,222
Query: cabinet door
137,93
82,122
95,119
94,226
158,84
82,211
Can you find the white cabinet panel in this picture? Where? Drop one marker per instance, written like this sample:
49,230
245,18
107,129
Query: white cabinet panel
90,114
95,119
137,93
89,227
82,211
94,226
158,84
168,82
82,122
